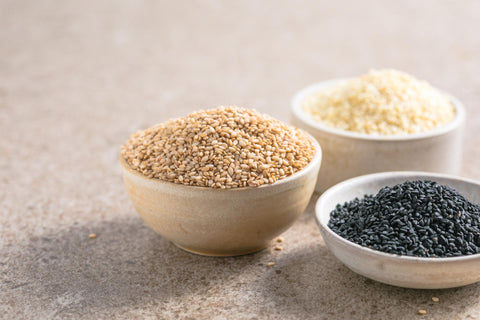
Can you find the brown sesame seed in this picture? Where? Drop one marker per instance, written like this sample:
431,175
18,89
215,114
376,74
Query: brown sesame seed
278,248
422,312
92,235
280,239
226,147
270,264
435,299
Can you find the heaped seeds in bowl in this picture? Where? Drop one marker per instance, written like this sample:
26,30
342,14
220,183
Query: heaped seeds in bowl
226,147
415,218
383,102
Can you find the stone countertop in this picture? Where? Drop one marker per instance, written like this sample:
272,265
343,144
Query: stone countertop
77,77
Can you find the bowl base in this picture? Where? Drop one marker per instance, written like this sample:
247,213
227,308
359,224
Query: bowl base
411,284
225,253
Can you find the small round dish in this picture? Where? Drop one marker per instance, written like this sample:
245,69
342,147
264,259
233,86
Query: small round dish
218,222
397,270
350,154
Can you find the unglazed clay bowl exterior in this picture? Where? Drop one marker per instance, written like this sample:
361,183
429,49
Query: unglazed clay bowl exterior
221,222
349,154
397,270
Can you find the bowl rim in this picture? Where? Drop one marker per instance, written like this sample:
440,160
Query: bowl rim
317,158
297,110
365,250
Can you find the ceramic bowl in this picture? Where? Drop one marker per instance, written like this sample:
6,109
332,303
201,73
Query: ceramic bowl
350,154
218,222
397,270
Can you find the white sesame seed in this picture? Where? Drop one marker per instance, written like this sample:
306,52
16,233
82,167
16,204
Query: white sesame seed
385,102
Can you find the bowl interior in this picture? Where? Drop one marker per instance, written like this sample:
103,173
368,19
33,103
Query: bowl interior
371,184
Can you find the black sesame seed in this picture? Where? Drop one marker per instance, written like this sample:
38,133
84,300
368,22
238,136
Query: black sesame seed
417,218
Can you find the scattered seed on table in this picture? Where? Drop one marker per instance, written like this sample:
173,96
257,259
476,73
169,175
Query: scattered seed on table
435,299
280,239
270,264
422,312
278,248
92,235
414,218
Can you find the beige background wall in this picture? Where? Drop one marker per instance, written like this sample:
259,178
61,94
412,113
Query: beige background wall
77,77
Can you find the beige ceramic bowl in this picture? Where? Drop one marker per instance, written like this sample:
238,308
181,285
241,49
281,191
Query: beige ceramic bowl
220,222
397,270
350,154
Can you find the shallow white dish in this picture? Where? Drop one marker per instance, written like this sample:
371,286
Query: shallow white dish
397,270
350,154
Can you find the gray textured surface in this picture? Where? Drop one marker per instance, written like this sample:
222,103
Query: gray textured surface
77,77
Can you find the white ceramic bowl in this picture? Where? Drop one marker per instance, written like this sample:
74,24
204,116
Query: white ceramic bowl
349,154
397,270
220,222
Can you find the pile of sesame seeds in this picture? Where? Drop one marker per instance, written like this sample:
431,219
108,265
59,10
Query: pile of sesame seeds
415,218
383,102
226,147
